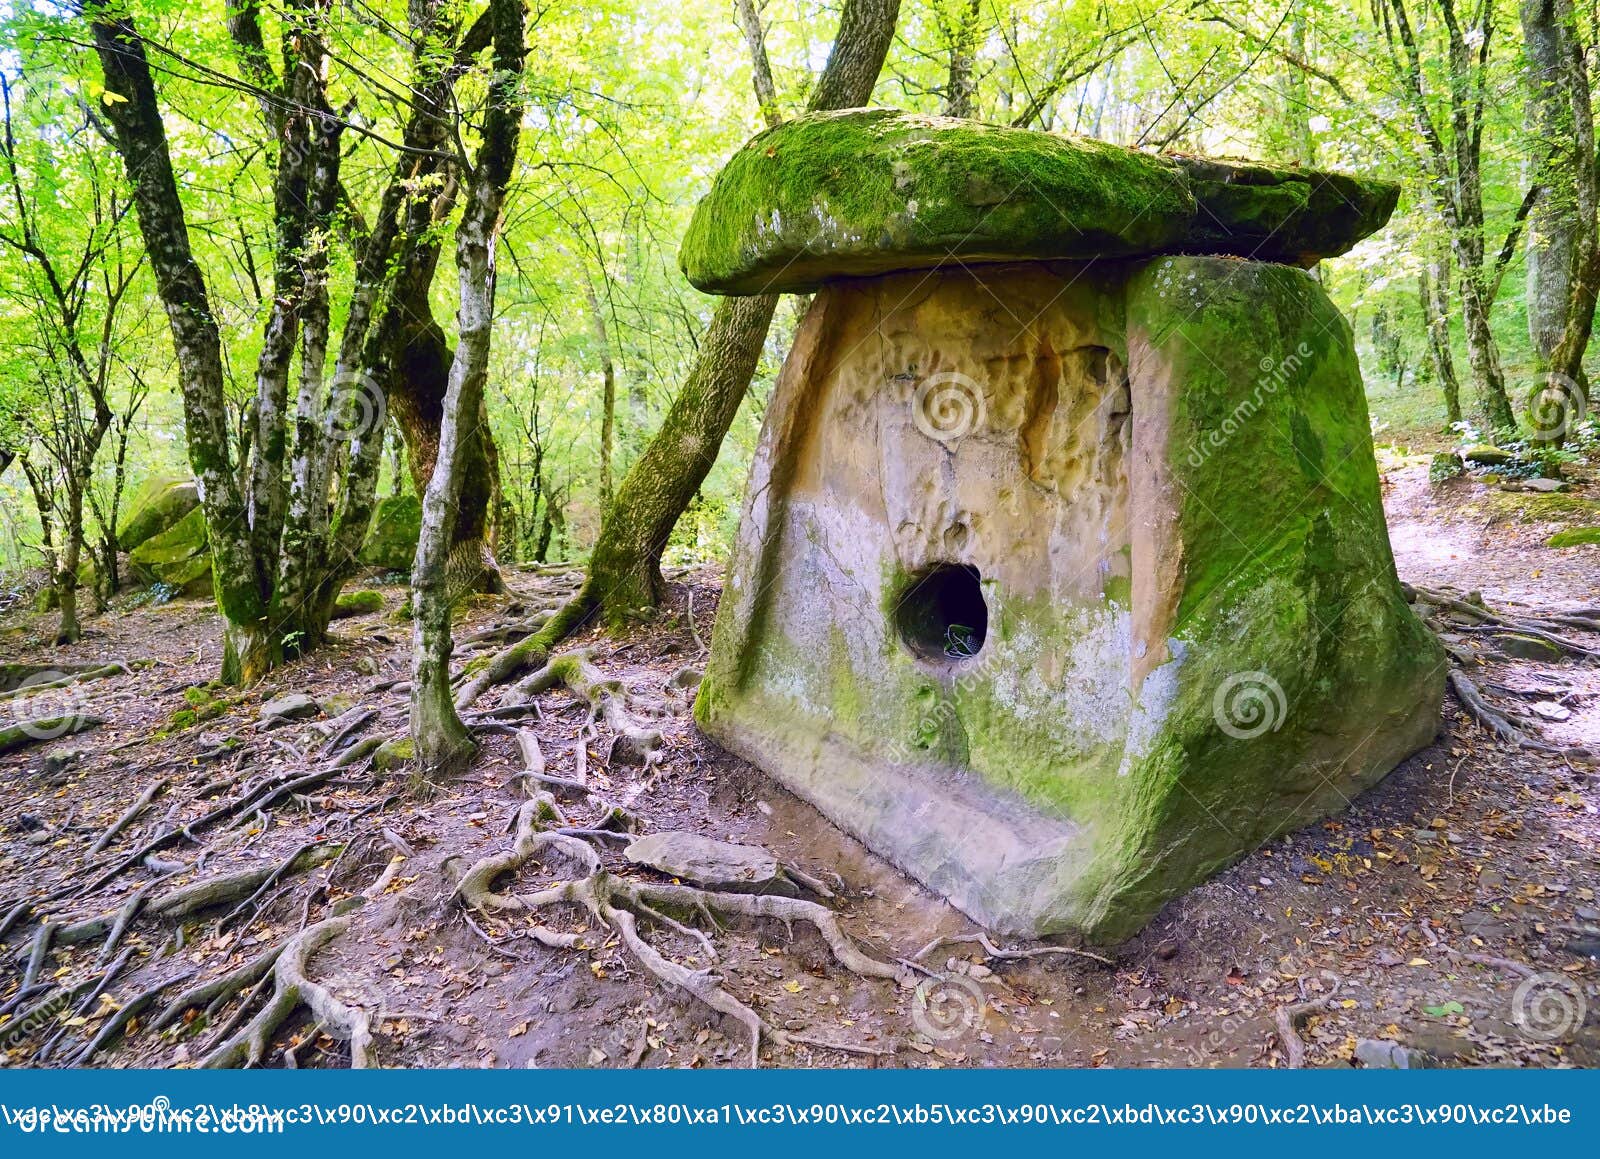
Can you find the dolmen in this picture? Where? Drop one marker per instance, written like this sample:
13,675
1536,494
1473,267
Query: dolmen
1062,579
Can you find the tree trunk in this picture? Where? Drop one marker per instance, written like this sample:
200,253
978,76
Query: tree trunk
760,66
1433,286
1562,398
961,82
608,376
1552,238
141,139
418,360
441,742
1483,354
625,568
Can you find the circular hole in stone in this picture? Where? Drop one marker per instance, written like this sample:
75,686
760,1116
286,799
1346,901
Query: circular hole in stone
942,616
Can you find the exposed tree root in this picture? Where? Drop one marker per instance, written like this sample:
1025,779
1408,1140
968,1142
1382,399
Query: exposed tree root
992,951
31,732
154,790
533,764
631,743
115,1026
1499,723
1287,1020
292,988
216,993
1538,627
619,903
14,675
245,885
346,726
73,674
530,652
261,797
1508,727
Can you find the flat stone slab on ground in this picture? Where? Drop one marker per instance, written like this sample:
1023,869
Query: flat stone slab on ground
704,860
289,706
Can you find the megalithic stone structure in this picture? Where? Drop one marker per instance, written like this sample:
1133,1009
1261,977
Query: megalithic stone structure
1062,579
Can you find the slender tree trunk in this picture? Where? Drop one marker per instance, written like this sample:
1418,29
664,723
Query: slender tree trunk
1483,353
760,68
441,742
608,375
69,631
418,359
961,81
1453,160
1433,286
625,567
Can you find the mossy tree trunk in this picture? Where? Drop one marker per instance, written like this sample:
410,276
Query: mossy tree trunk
441,743
625,568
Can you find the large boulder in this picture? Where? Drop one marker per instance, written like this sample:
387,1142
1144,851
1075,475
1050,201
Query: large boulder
1063,585
179,557
871,191
392,543
158,504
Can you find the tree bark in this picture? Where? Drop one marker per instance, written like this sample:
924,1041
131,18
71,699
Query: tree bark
1562,398
760,67
625,568
1552,237
441,742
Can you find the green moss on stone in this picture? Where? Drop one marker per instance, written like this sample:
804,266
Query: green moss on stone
1539,507
865,191
179,556
363,603
391,754
1573,537
868,191
158,504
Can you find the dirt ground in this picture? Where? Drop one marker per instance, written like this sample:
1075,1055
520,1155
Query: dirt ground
1448,917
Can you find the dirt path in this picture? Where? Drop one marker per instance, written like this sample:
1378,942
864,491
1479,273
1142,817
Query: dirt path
1412,920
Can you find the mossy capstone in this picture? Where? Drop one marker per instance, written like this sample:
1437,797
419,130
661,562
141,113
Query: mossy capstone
872,191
